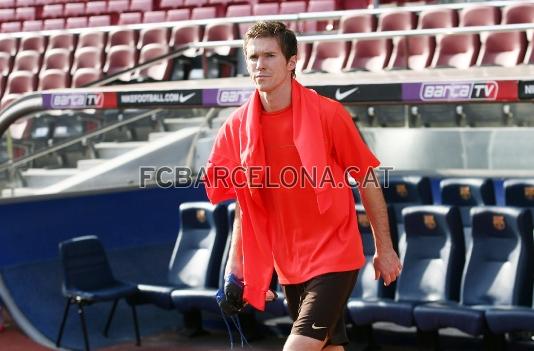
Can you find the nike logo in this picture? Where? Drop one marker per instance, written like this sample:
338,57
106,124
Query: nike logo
184,98
341,96
316,327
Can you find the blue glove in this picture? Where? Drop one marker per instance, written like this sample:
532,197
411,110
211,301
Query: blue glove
230,297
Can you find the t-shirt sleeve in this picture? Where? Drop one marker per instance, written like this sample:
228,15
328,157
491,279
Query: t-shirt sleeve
350,150
218,171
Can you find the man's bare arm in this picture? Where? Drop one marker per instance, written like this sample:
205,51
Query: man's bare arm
235,256
386,262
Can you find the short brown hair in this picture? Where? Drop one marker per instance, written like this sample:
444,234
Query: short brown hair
274,29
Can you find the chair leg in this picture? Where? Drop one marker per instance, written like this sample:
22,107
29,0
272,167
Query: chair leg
110,317
63,321
84,326
136,326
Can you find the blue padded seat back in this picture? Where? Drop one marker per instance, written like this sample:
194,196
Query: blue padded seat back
366,286
196,259
466,193
499,270
435,254
519,192
403,191
85,264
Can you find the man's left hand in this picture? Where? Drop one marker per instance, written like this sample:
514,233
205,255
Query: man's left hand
387,266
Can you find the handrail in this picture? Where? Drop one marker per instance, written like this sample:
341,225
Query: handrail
250,19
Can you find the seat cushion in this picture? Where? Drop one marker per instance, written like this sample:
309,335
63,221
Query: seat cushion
508,319
365,312
112,292
433,316
158,295
190,299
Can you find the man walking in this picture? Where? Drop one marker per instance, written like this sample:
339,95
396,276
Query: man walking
284,155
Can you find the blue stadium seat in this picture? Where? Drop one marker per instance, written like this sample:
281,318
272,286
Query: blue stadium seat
498,273
519,192
197,255
466,193
88,279
404,191
432,267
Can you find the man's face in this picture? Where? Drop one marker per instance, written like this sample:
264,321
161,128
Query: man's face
267,64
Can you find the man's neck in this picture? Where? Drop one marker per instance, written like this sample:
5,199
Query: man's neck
277,99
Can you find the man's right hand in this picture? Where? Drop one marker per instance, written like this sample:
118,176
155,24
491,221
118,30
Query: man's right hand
230,298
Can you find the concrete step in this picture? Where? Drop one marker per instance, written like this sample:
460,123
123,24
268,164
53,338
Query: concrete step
174,124
109,150
84,165
18,192
41,177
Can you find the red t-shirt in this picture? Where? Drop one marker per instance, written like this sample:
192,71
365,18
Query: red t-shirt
305,243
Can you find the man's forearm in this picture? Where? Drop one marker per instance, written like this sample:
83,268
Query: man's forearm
235,256
375,207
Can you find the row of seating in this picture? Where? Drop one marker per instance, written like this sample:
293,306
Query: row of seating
433,291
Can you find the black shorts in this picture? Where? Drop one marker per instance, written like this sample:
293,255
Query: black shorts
317,306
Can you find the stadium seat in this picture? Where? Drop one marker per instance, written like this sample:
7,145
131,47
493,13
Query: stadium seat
153,36
203,13
74,9
7,15
76,22
500,257
61,41
95,7
197,255
265,9
456,50
120,57
33,43
171,4
220,60
319,6
417,52
519,193
53,79
20,3
293,7
241,10
5,65
374,55
466,193
11,27
118,6
87,57
479,15
154,17
57,59
52,11
88,279
158,71
328,57
99,21
27,61
193,3
184,35
432,267
25,13
518,13
84,76
32,26
130,18
366,287
505,49
141,5
121,37
91,39
18,83
7,3
9,46
178,15
54,23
